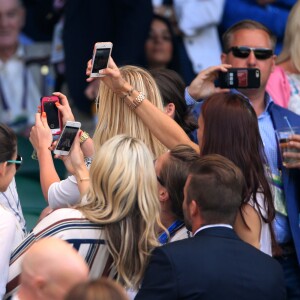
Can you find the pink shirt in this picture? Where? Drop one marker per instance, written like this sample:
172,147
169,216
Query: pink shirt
278,87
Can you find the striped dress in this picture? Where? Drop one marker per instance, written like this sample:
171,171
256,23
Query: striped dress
69,225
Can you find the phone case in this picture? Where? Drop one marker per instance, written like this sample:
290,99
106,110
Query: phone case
240,78
53,114
101,54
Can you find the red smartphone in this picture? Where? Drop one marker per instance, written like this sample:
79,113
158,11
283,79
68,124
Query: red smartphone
53,114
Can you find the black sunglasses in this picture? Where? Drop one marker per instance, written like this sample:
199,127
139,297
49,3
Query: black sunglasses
244,52
17,162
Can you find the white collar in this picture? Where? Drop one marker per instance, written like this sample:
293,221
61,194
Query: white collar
212,226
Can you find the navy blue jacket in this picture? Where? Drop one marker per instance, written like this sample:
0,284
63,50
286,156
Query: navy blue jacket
215,264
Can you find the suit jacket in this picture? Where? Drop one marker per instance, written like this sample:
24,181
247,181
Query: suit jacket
291,177
215,264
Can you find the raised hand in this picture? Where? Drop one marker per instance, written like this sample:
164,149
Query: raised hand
203,84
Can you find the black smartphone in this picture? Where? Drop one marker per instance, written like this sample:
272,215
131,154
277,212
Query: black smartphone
239,78
53,115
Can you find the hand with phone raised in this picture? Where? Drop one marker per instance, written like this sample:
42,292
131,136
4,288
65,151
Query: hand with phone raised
40,134
114,79
203,84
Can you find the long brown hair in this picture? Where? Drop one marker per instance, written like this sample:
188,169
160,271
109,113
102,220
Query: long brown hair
231,129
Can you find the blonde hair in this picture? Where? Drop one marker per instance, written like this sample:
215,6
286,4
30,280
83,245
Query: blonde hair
291,41
115,117
123,197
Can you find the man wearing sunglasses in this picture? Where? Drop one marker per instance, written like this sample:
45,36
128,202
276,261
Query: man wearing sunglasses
249,44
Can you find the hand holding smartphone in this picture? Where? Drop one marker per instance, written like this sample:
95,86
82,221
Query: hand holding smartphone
101,54
67,138
54,118
240,78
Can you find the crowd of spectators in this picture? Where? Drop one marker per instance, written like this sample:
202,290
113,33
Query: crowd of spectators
174,188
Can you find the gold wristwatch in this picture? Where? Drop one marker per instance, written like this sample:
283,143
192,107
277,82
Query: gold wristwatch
84,136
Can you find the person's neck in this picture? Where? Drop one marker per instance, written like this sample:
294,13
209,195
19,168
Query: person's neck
23,294
7,53
167,218
257,100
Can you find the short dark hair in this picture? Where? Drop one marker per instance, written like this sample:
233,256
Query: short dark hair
245,24
8,143
174,173
216,184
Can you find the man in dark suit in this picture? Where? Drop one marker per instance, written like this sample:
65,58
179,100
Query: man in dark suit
215,263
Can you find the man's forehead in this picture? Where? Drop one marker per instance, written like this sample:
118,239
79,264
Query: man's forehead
250,37
6,5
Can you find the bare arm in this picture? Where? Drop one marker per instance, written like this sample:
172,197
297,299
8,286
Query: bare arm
41,139
81,171
165,129
249,235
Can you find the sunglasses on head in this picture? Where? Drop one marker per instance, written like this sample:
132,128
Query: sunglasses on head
244,52
17,162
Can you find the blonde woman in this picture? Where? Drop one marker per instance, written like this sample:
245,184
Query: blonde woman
114,117
115,225
284,82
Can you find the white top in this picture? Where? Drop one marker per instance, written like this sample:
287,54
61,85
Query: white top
181,234
70,225
10,200
11,235
265,234
64,193
198,20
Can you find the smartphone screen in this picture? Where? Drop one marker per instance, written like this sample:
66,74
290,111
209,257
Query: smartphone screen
101,59
67,138
242,77
52,114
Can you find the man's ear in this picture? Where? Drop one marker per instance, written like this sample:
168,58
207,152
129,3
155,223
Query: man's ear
274,64
170,110
22,17
224,58
194,208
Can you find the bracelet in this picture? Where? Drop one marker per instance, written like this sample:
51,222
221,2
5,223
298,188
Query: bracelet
128,94
84,179
84,136
137,101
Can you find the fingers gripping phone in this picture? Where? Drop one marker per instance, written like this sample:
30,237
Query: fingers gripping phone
101,55
240,78
67,138
53,114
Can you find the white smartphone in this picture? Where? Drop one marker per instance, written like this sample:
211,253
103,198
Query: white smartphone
101,55
67,138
